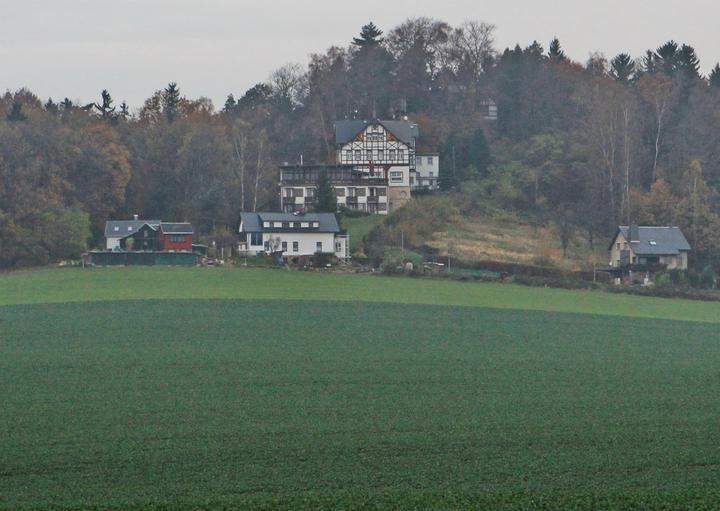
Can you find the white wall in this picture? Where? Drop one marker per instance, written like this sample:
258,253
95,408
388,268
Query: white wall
405,176
112,243
423,169
306,242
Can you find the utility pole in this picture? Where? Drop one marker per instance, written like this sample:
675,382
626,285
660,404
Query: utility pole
453,161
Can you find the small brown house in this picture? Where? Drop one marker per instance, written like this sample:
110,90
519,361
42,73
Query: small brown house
649,245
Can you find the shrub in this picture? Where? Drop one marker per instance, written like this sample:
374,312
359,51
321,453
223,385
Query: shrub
322,259
707,278
352,213
260,260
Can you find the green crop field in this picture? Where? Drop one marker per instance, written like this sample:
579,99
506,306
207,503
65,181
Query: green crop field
262,389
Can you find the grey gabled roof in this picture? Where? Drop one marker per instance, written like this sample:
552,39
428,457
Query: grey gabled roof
253,222
347,130
176,228
656,240
405,131
121,228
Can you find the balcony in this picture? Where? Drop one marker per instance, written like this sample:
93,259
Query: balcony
339,175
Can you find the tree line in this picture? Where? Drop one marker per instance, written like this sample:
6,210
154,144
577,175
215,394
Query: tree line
586,145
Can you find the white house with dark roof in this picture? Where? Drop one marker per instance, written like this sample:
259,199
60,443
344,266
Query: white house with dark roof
115,230
293,234
374,171
649,245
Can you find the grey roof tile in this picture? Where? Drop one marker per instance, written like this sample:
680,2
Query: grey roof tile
657,240
176,228
121,228
252,222
347,130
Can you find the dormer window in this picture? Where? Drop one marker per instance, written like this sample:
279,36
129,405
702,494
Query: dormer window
117,228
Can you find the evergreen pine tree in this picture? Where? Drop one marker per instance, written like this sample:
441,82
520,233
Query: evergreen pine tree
555,52
649,62
326,200
714,77
230,104
535,50
124,110
171,102
106,109
622,68
16,114
369,36
666,57
687,62
50,106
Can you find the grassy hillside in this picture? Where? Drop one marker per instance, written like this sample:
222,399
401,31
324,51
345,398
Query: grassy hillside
484,238
57,286
449,224
357,228
224,388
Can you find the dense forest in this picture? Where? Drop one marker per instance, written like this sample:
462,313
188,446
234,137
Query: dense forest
631,138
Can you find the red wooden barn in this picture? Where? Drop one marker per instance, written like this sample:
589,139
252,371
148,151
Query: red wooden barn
175,236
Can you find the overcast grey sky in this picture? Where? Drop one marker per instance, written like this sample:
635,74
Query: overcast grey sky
76,48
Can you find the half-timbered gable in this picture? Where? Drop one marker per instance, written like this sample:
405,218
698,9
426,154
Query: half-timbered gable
375,168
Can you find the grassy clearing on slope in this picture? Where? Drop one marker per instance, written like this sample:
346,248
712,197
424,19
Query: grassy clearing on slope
481,238
358,228
307,404
74,285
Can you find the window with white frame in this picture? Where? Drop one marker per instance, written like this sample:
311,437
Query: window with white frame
430,160
396,176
